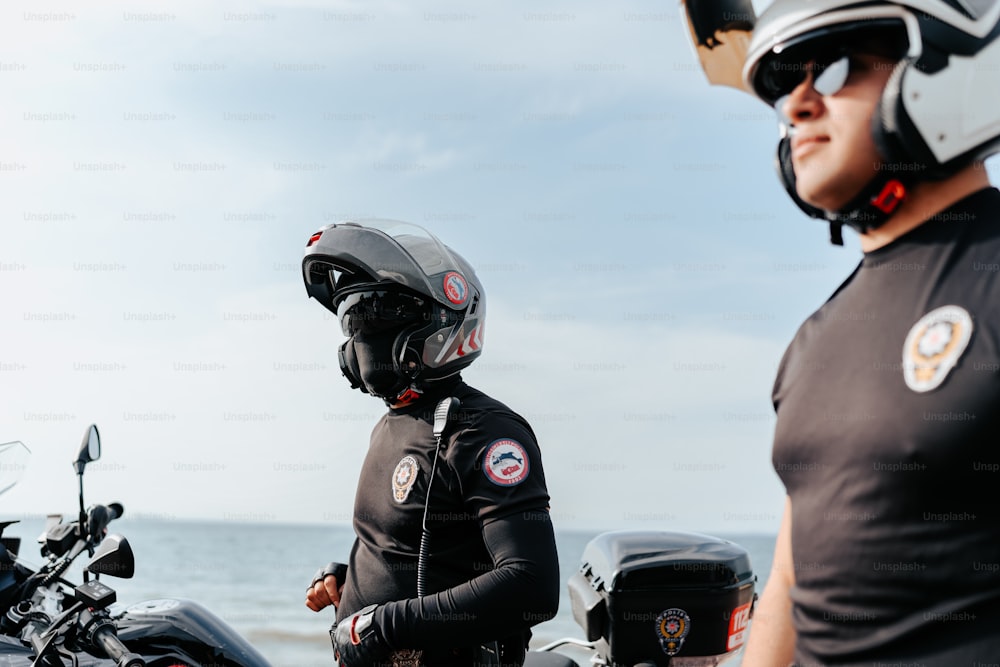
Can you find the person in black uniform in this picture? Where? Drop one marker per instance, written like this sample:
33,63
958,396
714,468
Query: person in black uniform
455,557
888,398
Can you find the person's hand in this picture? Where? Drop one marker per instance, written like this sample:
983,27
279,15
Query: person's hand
357,641
326,586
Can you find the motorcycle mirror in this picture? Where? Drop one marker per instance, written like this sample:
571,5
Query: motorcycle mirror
90,449
113,557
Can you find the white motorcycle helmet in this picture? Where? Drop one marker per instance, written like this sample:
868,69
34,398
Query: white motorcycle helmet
939,111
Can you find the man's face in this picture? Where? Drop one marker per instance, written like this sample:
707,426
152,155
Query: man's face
373,319
832,149
371,360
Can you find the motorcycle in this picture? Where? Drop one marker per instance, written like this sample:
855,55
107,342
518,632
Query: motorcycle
47,621
663,598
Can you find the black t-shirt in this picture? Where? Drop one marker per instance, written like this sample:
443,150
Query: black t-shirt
490,469
888,408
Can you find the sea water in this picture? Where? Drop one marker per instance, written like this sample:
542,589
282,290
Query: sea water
255,575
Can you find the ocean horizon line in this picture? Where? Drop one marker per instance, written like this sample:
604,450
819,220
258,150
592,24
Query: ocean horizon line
574,528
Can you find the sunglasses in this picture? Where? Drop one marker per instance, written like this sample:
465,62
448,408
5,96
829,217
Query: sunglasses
830,58
374,311
828,78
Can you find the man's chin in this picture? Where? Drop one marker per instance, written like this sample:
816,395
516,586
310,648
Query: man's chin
817,187
820,197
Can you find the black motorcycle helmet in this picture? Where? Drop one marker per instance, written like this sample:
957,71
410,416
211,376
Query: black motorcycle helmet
413,309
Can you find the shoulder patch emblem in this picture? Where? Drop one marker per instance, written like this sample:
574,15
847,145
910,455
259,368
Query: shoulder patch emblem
403,478
506,462
934,345
672,627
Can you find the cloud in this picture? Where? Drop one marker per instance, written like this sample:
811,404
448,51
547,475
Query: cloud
633,410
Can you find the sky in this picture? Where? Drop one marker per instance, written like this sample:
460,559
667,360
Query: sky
162,165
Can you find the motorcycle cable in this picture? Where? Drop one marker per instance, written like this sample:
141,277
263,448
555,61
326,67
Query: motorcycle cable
42,579
61,566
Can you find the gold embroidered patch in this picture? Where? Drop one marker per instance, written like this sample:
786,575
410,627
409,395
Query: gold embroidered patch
403,478
934,345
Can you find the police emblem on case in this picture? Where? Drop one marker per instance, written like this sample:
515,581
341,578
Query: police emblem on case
934,345
672,626
505,462
403,478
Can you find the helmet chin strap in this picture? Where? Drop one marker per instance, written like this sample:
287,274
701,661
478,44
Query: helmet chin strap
869,209
409,395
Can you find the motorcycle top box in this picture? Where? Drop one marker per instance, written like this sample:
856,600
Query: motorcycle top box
663,597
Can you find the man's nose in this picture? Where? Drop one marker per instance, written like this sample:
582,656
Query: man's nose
803,103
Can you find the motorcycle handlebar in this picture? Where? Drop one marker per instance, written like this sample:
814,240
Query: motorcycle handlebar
99,516
107,640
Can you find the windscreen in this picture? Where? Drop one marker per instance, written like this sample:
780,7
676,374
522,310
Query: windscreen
13,463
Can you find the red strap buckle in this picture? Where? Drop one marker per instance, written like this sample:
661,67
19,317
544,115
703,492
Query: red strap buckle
890,197
407,396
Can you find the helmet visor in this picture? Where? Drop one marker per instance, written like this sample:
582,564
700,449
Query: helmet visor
373,311
829,55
